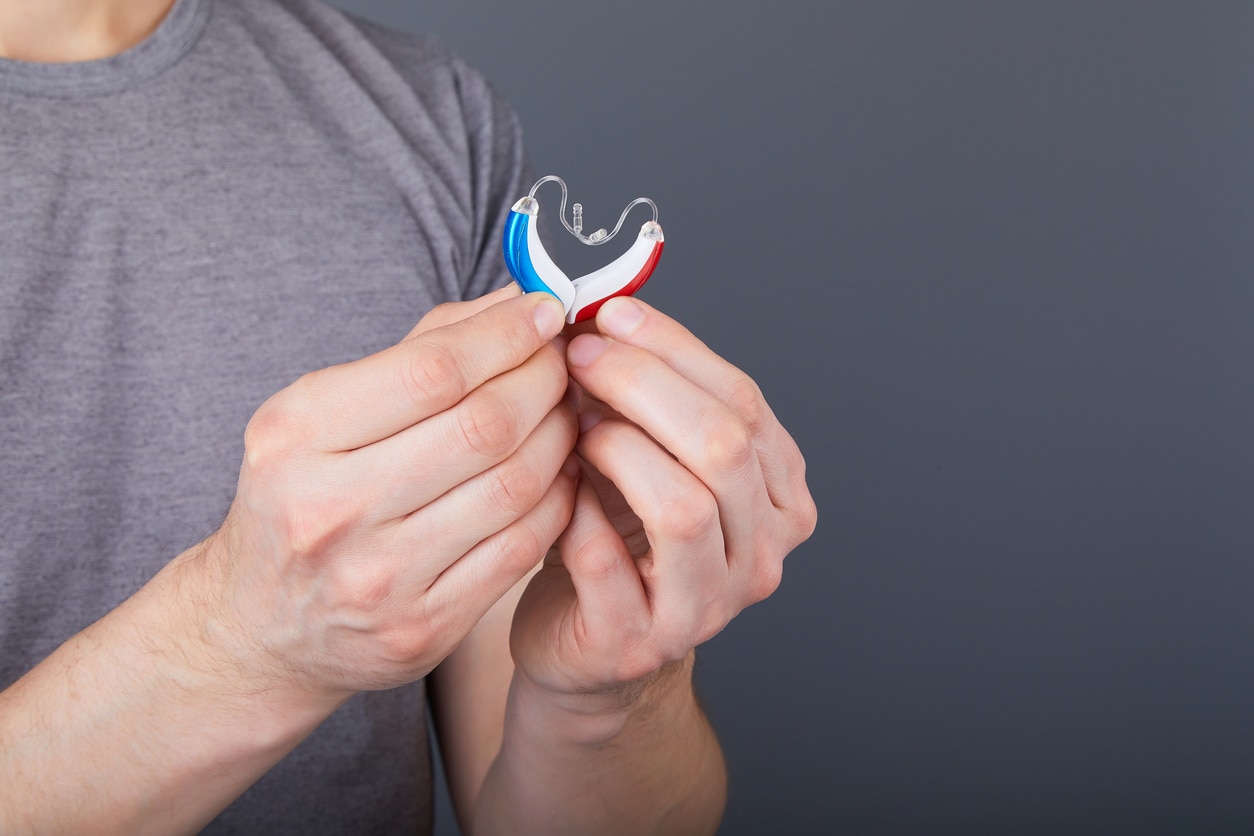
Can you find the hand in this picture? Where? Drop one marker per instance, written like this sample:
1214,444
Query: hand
385,504
691,497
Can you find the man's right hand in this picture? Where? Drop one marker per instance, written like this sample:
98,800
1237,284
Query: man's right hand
385,504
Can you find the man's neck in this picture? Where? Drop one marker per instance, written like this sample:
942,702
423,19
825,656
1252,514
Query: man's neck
61,31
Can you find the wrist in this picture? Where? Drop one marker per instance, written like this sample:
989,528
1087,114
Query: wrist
594,718
638,758
206,654
183,726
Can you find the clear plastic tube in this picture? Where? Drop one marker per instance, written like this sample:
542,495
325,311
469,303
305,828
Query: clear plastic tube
576,229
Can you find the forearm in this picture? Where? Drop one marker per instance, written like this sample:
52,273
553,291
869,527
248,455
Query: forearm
645,762
132,727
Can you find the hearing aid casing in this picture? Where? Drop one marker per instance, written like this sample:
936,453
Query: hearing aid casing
530,265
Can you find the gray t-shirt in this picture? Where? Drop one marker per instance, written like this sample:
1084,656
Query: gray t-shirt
257,190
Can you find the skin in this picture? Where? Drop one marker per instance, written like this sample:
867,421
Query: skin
56,31
545,525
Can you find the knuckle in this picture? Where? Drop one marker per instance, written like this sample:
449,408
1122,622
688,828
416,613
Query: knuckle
801,512
276,428
688,517
746,400
487,427
431,620
729,445
432,375
807,516
514,488
708,628
442,314
766,578
364,590
402,645
599,557
260,439
552,512
518,548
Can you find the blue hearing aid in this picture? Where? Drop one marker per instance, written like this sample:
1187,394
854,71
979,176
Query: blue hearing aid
533,269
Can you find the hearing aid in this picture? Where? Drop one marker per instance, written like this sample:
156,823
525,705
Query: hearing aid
534,270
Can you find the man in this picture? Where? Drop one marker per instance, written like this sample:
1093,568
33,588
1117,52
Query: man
205,200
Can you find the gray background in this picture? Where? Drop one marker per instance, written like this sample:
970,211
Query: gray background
992,264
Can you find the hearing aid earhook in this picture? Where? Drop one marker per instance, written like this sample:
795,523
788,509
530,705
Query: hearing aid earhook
530,265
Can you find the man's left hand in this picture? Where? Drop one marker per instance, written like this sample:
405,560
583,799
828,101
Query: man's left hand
692,495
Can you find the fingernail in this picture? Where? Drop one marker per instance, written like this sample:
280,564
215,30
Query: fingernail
620,316
549,315
585,349
588,420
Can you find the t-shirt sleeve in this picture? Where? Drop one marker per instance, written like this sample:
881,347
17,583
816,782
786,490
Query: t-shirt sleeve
469,140
500,174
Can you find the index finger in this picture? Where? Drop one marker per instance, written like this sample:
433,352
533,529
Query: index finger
378,396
